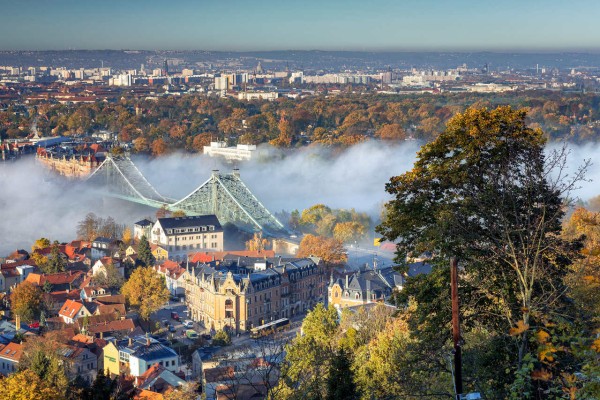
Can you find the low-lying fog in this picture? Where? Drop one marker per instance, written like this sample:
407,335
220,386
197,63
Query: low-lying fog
35,204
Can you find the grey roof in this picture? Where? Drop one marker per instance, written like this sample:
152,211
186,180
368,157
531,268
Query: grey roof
144,222
154,352
190,222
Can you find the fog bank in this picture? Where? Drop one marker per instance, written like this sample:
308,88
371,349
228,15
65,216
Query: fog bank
34,203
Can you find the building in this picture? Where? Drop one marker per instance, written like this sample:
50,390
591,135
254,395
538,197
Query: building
220,149
136,355
142,228
181,235
369,285
80,362
172,272
10,355
72,310
240,293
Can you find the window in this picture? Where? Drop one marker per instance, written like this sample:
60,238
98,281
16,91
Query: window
211,228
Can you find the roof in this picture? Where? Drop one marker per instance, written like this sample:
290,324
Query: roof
144,222
70,309
111,326
58,278
112,299
190,222
144,394
12,351
219,374
111,309
220,255
154,351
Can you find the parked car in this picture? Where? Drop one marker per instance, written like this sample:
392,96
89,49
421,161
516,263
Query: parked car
171,328
188,323
165,322
206,336
175,316
191,334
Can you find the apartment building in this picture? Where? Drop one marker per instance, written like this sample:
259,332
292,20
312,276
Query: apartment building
239,293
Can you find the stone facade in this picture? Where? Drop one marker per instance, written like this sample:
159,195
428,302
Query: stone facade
240,293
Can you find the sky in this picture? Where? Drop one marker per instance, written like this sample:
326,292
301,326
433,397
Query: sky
242,25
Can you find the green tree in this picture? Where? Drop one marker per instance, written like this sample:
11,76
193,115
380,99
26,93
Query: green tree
56,261
480,193
221,338
309,358
144,253
146,290
112,279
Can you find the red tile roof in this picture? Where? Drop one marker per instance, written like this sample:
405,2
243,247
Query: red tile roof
70,309
112,326
12,351
209,256
58,278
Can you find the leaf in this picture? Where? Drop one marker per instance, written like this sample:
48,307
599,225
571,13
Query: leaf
541,375
519,329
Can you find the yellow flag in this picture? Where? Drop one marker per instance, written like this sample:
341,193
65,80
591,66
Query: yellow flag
377,242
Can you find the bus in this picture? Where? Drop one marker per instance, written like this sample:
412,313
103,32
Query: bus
271,327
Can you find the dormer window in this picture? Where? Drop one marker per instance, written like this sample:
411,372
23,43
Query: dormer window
203,229
211,228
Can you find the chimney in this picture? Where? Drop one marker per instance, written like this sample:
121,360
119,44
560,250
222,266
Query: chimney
346,281
147,340
18,321
130,342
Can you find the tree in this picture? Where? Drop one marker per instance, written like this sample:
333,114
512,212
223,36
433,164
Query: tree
41,356
56,261
146,290
41,243
257,243
187,391
178,214
26,385
330,250
27,301
144,253
112,279
127,236
480,193
391,132
348,232
309,357
87,228
221,338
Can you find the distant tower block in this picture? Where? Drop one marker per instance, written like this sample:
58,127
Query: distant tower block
259,68
166,68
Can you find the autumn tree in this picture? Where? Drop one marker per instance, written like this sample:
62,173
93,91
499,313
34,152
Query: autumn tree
26,385
27,301
257,243
43,358
127,236
391,132
330,250
41,243
481,193
348,232
146,290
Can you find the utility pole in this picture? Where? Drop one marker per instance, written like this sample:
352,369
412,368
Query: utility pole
456,327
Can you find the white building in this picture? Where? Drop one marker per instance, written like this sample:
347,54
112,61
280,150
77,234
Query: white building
220,149
10,355
183,234
270,96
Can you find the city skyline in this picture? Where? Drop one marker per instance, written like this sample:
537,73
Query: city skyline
380,25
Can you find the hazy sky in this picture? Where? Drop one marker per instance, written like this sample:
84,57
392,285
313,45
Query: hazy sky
305,24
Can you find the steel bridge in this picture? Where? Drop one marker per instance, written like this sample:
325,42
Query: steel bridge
224,195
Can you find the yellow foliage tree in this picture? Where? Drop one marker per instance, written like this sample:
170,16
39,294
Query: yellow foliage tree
27,301
145,290
330,250
347,232
257,243
26,385
127,236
